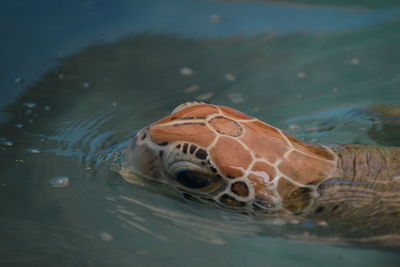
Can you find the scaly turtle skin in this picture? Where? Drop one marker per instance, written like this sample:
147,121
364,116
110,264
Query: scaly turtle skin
220,154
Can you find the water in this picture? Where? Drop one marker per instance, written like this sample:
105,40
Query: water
79,80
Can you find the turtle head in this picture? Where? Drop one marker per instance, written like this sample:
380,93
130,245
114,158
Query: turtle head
214,153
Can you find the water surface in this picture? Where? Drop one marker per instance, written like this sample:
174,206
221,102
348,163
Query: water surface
78,81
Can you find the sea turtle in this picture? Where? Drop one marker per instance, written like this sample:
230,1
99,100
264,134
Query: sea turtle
216,153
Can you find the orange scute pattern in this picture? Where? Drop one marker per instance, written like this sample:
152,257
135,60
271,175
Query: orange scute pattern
305,169
274,167
231,157
263,171
192,132
264,140
309,148
233,113
226,126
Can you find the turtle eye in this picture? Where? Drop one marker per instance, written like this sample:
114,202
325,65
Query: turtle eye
193,179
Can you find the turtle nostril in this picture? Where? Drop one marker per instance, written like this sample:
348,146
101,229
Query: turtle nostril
142,135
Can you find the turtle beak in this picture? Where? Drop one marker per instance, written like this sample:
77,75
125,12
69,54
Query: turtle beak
141,163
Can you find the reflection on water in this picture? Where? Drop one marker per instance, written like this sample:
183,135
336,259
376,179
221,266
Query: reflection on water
319,86
366,4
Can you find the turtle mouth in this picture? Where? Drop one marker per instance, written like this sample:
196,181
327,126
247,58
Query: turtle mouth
133,176
141,164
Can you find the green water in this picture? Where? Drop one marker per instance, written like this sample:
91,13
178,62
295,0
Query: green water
94,76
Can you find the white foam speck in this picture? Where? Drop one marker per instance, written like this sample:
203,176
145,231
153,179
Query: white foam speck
106,236
215,18
354,61
30,104
230,77
18,80
191,89
61,181
185,71
301,75
86,85
204,96
6,142
236,97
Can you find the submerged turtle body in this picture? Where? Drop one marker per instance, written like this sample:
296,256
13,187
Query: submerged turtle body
220,154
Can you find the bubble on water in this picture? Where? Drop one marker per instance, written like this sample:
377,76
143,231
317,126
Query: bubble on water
354,61
19,125
205,96
104,236
35,151
191,89
301,75
114,104
335,90
185,71
230,77
215,18
322,223
19,81
47,108
61,181
61,76
29,104
86,85
236,98
6,142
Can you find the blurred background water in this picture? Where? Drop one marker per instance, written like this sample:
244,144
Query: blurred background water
79,78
